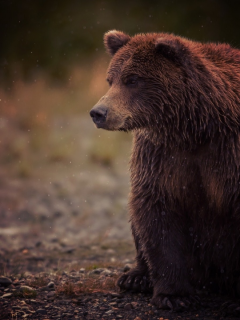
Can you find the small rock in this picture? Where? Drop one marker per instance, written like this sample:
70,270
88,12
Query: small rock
126,261
43,274
51,284
73,271
25,309
75,300
46,289
38,244
97,271
107,272
119,316
74,277
51,294
134,304
26,288
16,307
41,311
5,282
128,306
126,268
54,239
111,251
82,270
68,250
7,295
109,312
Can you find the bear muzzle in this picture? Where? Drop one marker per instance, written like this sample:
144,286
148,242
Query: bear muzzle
99,115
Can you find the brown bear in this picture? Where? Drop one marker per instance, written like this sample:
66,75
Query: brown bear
181,100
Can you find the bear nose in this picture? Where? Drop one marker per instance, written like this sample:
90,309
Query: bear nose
99,114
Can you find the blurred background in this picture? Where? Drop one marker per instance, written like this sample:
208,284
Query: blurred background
64,184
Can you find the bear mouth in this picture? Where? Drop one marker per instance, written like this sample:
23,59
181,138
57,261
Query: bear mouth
122,129
116,125
99,124
127,125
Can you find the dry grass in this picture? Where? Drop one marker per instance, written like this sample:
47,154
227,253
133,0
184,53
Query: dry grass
104,265
88,286
31,104
37,282
26,293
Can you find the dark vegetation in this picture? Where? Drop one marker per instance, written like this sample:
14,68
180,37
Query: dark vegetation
52,36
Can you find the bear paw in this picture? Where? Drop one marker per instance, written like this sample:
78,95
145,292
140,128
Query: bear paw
175,303
136,281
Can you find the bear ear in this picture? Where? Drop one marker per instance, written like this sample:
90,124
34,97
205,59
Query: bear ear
171,49
114,40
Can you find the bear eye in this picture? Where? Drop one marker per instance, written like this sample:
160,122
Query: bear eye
131,81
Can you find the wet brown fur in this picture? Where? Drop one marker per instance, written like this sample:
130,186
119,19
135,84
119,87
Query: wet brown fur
184,112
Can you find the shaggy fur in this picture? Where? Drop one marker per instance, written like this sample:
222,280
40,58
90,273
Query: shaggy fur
181,100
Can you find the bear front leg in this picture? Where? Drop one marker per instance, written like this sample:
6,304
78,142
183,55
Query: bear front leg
167,251
137,279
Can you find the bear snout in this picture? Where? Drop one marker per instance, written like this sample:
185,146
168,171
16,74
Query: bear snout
99,115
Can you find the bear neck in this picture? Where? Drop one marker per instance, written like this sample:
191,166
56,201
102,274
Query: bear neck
188,139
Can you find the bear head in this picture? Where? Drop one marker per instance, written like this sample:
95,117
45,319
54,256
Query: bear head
160,84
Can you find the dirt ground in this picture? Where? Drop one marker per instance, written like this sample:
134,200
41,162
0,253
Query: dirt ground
64,233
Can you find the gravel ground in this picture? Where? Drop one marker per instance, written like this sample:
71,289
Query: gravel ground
89,295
